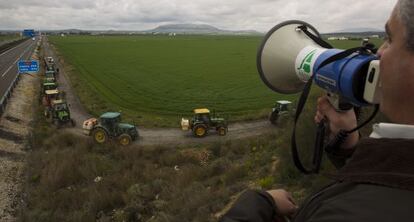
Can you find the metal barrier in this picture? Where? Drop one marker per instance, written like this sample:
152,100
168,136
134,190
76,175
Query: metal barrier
7,95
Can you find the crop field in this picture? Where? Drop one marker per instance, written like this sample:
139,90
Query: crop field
8,37
154,80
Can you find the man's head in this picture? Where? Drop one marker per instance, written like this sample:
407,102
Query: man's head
406,13
397,65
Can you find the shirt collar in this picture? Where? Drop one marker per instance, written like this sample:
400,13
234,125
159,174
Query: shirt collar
392,131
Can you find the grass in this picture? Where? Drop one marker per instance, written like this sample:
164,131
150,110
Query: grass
156,80
72,179
9,37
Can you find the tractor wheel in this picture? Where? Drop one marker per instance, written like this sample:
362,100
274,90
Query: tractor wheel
56,123
222,131
100,135
273,117
200,130
124,139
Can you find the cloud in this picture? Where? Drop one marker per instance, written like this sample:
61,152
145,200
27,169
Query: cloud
258,15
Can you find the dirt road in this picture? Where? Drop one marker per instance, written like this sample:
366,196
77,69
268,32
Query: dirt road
155,136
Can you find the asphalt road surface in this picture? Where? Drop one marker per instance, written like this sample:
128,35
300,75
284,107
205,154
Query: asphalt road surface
8,63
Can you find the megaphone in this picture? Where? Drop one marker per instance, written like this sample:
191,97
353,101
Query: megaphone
289,56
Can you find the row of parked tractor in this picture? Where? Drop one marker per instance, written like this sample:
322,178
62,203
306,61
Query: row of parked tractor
56,108
109,126
57,111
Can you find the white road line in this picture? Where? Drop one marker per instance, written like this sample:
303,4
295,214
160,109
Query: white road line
14,63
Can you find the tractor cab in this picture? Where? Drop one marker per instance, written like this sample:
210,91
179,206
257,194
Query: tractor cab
202,115
59,112
50,67
281,108
50,76
282,105
202,122
60,105
49,96
49,59
110,120
48,86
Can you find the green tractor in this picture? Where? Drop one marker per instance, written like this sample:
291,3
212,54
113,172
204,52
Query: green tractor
109,126
48,86
50,76
59,113
51,65
281,108
202,122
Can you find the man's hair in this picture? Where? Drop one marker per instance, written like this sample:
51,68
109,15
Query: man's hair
406,13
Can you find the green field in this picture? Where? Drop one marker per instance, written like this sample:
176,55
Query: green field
8,37
154,80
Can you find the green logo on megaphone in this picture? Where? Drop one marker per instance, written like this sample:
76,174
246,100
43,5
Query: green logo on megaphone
306,64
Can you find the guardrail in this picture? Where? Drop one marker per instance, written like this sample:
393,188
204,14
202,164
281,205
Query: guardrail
10,45
7,95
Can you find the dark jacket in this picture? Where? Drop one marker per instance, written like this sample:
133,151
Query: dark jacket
376,184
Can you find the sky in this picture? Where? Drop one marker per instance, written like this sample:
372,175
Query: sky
259,15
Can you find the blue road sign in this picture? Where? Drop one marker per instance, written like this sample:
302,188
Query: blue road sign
28,66
29,33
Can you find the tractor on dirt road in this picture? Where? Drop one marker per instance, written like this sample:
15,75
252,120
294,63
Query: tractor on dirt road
281,108
48,86
202,122
49,96
109,126
59,113
50,76
51,65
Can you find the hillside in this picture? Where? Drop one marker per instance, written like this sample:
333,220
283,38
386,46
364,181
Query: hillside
199,29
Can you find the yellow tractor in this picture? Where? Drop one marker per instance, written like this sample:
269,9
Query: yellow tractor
202,122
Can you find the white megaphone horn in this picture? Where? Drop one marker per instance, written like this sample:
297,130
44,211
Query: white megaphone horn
288,57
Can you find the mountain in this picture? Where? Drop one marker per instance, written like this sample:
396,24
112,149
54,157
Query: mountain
189,29
201,29
185,28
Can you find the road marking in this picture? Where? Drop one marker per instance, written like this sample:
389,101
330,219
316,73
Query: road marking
14,63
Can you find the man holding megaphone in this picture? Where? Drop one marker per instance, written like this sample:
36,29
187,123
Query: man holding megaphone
376,183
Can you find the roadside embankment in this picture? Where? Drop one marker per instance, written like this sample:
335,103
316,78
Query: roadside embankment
15,128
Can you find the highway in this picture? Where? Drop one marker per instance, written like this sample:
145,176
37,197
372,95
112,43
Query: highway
8,63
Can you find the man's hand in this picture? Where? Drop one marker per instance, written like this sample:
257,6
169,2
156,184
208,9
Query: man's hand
337,120
284,202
